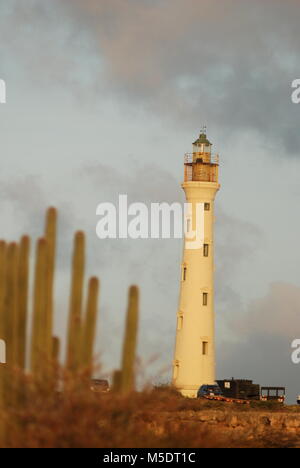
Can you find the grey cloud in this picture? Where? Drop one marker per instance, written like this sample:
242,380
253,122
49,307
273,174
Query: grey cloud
276,314
262,347
26,201
228,63
236,243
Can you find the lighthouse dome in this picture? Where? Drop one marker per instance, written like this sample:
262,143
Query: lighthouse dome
202,140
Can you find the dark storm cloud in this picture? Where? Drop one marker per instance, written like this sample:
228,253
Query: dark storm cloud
229,63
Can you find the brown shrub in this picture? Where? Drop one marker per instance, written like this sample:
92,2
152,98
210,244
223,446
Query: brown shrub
79,418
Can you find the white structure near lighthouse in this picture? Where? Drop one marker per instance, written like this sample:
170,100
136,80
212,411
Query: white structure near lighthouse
194,360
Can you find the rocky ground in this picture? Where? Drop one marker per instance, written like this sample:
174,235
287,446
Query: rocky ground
232,427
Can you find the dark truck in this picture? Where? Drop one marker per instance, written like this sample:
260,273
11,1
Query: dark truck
244,389
241,389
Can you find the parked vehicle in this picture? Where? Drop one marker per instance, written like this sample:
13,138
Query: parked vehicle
272,394
298,400
99,385
243,389
213,392
209,390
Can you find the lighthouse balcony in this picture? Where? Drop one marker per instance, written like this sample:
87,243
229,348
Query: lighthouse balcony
205,158
199,167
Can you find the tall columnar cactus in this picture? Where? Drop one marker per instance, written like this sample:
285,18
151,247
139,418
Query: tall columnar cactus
38,360
55,350
50,235
22,312
89,326
11,304
130,342
117,380
10,324
55,362
44,348
76,299
3,251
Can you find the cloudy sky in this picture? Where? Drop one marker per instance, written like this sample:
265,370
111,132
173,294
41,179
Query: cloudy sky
104,97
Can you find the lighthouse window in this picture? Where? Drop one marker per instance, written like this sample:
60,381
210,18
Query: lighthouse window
205,250
176,370
179,322
204,348
205,299
188,225
184,274
207,206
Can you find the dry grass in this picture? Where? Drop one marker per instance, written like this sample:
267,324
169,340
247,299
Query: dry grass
80,418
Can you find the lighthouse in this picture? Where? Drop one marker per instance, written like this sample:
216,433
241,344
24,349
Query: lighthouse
194,359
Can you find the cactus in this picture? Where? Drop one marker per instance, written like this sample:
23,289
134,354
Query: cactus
11,304
116,380
55,362
50,235
44,348
89,325
39,310
10,324
130,341
76,298
23,281
55,349
3,251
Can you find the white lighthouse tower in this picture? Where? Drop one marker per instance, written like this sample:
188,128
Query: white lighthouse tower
194,360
